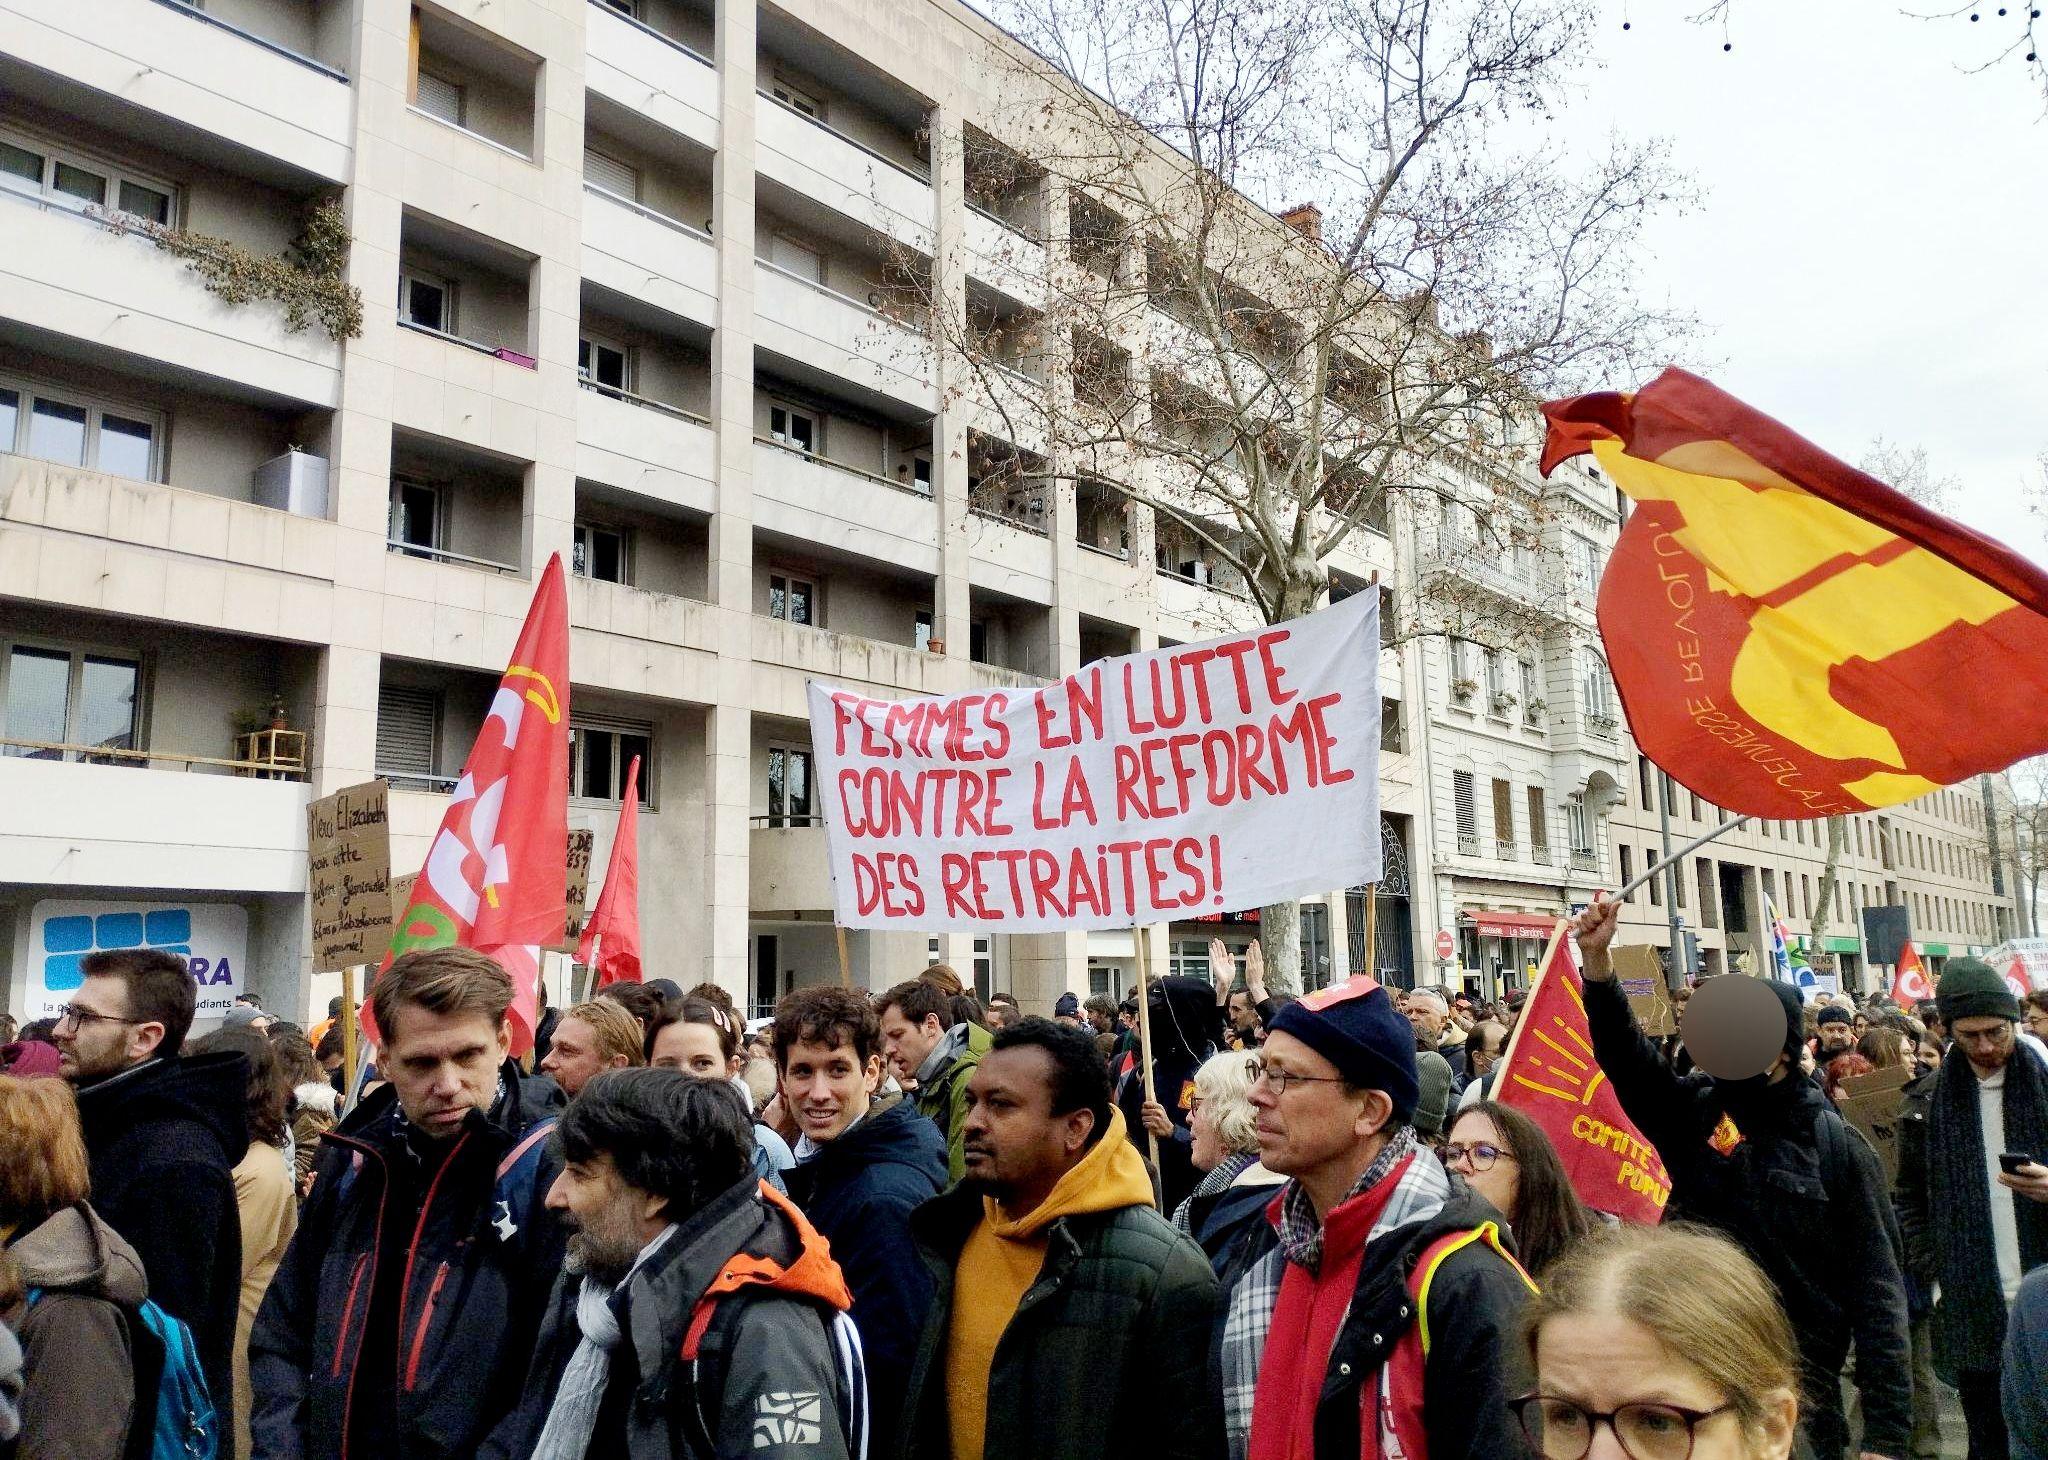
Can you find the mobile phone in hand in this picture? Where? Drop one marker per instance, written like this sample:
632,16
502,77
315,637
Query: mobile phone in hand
2010,1162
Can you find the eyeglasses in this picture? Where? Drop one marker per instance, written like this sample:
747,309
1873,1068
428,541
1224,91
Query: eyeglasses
1479,1153
1280,1079
1998,1035
1562,1430
79,1016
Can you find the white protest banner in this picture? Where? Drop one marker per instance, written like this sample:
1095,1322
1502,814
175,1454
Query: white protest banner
1142,789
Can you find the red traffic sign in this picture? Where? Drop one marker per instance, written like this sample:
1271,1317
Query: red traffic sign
1445,945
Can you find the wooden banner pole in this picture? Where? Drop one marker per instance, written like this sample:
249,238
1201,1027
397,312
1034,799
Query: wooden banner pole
1144,936
349,1031
1372,932
845,968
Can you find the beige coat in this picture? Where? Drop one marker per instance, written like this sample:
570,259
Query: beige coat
267,1199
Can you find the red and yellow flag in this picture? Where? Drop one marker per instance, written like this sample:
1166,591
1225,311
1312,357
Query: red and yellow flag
497,871
1792,638
1910,984
1549,1074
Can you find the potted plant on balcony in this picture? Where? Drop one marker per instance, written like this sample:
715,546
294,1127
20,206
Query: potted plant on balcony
1464,689
1533,711
1503,702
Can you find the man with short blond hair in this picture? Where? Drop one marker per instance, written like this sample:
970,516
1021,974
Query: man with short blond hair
403,1315
589,1039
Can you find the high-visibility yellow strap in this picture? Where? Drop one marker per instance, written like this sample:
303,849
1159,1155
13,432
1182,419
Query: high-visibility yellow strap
1487,1232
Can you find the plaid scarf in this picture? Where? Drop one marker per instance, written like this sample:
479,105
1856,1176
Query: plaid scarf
1220,1176
1421,1194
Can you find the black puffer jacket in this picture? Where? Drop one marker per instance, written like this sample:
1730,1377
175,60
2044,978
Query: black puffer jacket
1187,1026
1104,1355
404,1314
163,1139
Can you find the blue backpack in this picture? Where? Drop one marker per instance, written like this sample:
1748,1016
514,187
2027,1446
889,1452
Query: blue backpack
181,1424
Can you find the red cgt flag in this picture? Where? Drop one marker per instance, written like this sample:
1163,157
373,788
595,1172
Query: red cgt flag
497,871
2015,977
614,927
1792,638
1910,984
1549,1074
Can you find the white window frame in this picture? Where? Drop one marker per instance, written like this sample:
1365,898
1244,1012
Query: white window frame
79,652
591,344
796,99
27,391
1597,685
439,533
114,171
787,581
784,816
581,725
407,277
584,540
786,435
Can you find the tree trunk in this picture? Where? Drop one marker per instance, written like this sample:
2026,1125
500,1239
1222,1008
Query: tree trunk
1280,922
1838,839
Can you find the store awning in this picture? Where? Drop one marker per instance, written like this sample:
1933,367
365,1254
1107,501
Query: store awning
1512,924
1935,950
1843,945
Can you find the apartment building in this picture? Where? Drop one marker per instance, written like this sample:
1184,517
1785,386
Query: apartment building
622,266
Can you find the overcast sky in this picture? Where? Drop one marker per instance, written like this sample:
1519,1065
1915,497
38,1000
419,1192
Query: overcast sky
1869,257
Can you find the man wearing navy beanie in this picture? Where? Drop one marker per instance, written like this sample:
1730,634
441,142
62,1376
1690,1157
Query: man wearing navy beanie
1368,1221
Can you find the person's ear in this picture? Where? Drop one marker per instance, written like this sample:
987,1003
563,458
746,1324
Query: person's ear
1780,1424
619,1062
504,1038
144,1040
1375,1112
871,1077
1080,1125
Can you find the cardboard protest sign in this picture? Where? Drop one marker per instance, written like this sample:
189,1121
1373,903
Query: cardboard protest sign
581,841
1141,789
1641,972
1872,1103
401,897
348,850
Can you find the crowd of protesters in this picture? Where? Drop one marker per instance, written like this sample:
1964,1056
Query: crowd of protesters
908,1224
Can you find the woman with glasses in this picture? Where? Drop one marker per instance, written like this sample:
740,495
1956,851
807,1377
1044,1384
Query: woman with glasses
1505,1157
1659,1343
1229,1202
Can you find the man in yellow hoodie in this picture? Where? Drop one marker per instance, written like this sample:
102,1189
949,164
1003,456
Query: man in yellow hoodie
1071,1320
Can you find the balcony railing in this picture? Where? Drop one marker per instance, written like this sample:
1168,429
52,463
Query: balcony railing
914,488
414,781
1468,845
113,755
617,393
501,352
646,29
778,820
1011,519
185,7
1584,860
641,208
443,555
473,136
1604,727
908,171
1505,850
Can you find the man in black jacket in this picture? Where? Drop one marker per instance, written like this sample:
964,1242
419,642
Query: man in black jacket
1058,1205
1187,1027
860,1171
163,1135
1769,1162
402,1318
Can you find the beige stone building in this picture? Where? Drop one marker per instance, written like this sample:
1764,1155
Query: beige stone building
620,263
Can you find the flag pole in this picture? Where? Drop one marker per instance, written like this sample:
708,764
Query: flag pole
1692,846
1372,930
348,1026
1507,1051
845,968
1144,936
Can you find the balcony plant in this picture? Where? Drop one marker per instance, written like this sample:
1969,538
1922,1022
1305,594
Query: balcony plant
1464,689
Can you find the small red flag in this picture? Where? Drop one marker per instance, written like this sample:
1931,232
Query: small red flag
614,927
1549,1074
2016,978
1911,984
497,872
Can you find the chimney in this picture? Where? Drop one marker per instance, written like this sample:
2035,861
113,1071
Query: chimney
1305,219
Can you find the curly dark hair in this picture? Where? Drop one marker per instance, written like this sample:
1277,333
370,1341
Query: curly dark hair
826,1015
269,1093
1080,1080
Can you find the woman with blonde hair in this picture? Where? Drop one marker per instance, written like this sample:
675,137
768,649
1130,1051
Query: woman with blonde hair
1224,1211
80,1282
1668,1338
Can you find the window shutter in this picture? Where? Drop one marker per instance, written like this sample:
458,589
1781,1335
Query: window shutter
614,176
439,97
1462,794
405,730
1539,821
1503,812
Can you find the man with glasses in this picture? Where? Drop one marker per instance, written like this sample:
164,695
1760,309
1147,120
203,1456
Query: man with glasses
163,1135
1973,1186
1327,1350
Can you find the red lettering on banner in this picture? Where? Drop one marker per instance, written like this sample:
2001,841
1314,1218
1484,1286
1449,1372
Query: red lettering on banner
877,879
1267,643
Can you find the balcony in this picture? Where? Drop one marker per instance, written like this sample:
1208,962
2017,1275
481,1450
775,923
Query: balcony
1585,860
1011,555
787,870
188,67
996,676
840,659
798,494
818,162
651,72
66,274
646,447
843,337
636,252
1505,851
158,827
1004,256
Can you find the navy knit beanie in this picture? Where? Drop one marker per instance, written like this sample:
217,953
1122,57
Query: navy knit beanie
1355,1026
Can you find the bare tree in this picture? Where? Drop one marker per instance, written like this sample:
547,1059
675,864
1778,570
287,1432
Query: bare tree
1265,388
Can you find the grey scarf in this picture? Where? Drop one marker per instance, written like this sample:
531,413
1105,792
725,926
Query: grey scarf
573,1416
1219,1177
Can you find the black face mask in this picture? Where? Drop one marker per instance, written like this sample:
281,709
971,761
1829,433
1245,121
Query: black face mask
1756,1100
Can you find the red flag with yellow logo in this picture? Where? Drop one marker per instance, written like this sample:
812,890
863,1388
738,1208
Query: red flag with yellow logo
497,871
1910,984
1549,1074
1792,638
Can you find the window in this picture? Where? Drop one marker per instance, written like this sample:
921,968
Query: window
792,599
1496,677
795,258
1597,688
921,631
427,301
437,96
1392,739
609,175
797,100
74,430
604,364
405,731
600,753
1628,869
789,786
1189,958
601,553
1530,698
1585,563
75,180
1643,780
1539,824
798,430
56,696
1577,827
415,516
1504,818
1464,798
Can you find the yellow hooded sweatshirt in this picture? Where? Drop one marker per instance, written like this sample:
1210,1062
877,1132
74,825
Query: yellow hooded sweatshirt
1002,1259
